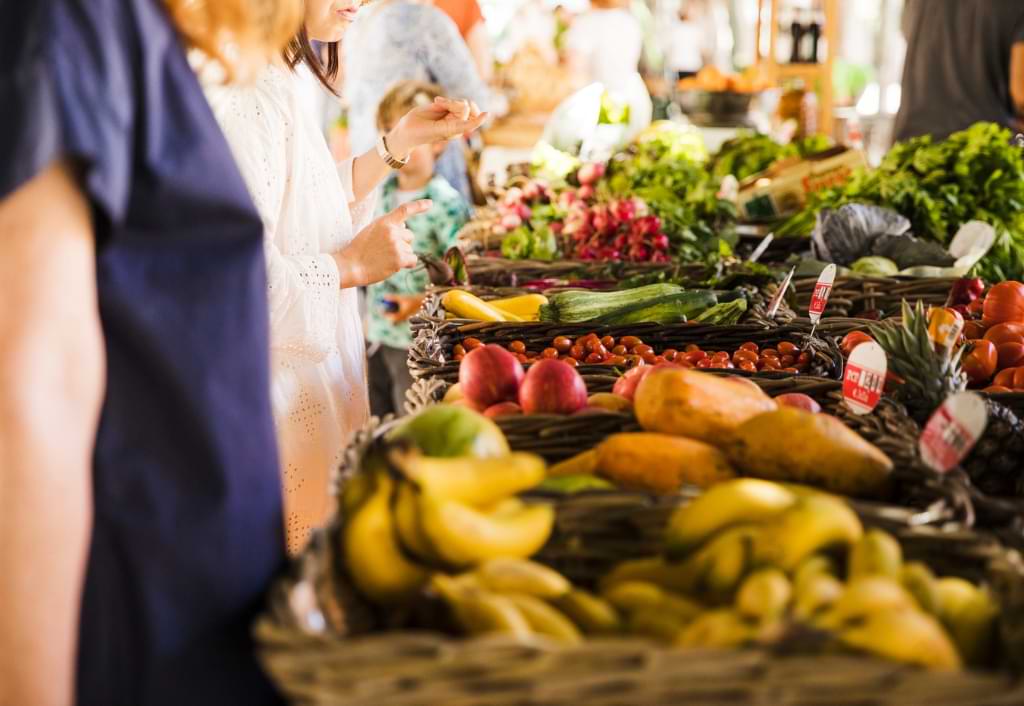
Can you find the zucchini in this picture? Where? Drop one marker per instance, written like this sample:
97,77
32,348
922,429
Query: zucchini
579,306
724,314
666,310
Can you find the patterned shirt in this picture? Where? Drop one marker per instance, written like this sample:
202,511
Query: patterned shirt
434,232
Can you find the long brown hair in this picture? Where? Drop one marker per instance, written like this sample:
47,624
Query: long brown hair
240,34
300,51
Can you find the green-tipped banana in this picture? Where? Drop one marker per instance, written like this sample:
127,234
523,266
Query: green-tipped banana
736,502
813,524
472,481
919,580
717,629
878,553
505,575
764,596
867,595
482,613
465,536
543,619
969,613
903,635
816,594
593,615
373,558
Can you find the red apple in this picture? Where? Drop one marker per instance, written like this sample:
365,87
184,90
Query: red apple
489,375
626,385
800,401
552,387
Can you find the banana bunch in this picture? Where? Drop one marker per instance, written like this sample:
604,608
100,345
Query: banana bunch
409,514
749,558
523,599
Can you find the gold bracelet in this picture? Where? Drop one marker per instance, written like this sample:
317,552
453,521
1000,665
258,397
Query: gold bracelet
390,159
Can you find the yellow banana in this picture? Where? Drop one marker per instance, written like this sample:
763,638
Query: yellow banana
483,613
969,613
451,588
629,596
814,523
473,481
877,552
405,508
464,536
764,596
543,619
816,593
675,577
723,562
867,595
721,628
919,580
654,623
526,306
741,501
372,555
903,635
595,616
505,575
813,566
468,306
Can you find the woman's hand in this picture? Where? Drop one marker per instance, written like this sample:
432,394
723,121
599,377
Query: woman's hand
407,306
381,249
439,121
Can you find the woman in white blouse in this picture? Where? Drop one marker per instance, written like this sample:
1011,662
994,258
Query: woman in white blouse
320,246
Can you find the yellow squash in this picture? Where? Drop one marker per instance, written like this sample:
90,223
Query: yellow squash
660,463
469,306
697,405
526,307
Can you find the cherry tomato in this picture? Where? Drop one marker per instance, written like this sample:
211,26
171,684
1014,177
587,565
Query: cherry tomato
852,340
722,364
642,349
630,342
720,355
670,354
562,344
517,347
750,346
659,360
769,353
683,364
787,348
594,345
634,361
747,365
458,356
794,371
692,348
981,360
620,350
786,361
615,360
471,344
704,363
550,353
649,358
570,361
694,357
521,357
458,349
744,355
608,342
804,358
577,352
769,364
594,359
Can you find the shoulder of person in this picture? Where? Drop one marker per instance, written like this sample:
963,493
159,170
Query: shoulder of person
264,103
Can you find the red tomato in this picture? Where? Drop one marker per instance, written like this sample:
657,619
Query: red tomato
630,342
694,357
650,358
578,352
562,344
787,348
704,363
517,347
594,359
472,343
769,364
670,354
1018,379
458,349
692,348
1010,355
1004,303
635,361
794,371
620,350
549,353
608,342
642,349
996,389
572,362
1004,378
720,355
787,361
973,330
615,360
804,358
1005,333
750,346
852,340
748,365
980,361
744,355
769,353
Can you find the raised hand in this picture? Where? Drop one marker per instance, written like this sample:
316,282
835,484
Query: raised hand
381,249
440,121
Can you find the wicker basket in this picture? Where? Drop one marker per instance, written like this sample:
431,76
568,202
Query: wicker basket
501,272
311,645
852,296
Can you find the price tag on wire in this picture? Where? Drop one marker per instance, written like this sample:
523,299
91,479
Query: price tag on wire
944,328
864,378
953,430
776,302
819,298
761,248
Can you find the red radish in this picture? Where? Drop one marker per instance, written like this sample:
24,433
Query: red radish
552,387
800,401
503,409
489,375
585,193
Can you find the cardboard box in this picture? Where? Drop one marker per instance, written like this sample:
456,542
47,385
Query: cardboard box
783,188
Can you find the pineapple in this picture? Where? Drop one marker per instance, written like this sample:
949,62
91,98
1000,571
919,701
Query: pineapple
929,377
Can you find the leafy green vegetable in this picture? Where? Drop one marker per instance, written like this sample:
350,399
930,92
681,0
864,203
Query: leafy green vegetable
975,174
750,153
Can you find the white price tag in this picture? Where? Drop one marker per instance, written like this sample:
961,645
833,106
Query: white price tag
822,291
953,430
776,302
864,377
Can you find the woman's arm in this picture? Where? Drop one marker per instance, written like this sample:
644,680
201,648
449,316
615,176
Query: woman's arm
51,390
479,43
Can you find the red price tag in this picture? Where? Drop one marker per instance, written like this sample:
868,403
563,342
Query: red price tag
822,291
953,430
864,378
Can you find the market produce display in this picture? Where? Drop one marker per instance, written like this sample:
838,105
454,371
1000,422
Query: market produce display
750,153
975,174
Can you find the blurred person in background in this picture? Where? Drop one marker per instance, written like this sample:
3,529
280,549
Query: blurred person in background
605,44
409,40
140,500
964,64
683,45
321,244
392,302
470,20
